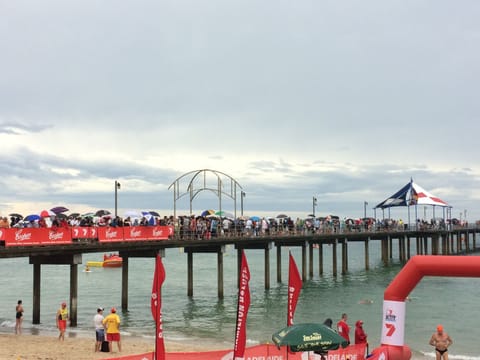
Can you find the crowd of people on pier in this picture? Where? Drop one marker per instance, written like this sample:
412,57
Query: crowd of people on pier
209,225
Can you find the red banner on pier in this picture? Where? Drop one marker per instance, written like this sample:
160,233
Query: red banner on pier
110,234
84,232
37,236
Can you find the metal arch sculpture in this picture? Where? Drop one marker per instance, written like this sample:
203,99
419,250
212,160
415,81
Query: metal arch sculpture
193,190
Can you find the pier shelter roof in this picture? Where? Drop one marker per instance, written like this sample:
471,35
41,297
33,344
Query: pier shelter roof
412,194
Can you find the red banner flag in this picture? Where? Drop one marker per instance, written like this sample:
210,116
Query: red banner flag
294,287
156,306
242,310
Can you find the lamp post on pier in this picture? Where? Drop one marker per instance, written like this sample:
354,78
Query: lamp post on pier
242,195
314,205
117,186
365,209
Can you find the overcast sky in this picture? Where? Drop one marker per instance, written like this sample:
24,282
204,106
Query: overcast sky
341,100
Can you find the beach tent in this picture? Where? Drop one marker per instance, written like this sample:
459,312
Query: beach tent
412,194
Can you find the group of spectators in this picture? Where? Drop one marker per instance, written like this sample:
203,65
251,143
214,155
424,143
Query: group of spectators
205,227
61,220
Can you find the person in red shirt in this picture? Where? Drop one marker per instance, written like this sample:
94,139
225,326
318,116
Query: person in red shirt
360,334
343,328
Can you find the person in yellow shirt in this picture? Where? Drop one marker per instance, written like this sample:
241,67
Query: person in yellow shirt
61,318
112,323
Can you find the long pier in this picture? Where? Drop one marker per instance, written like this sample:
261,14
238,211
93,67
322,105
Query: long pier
425,242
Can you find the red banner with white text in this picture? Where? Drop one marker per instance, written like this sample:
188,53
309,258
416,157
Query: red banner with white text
242,310
64,235
156,307
294,287
37,236
84,232
134,233
258,352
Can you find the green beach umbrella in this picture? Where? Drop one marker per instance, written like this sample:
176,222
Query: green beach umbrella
309,337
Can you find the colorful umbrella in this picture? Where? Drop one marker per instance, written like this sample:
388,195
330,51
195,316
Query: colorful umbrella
59,209
32,217
309,337
207,212
16,215
47,213
101,213
224,214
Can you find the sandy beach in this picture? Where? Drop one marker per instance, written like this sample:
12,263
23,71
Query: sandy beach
38,347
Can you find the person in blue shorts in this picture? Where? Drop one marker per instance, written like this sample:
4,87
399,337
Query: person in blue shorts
99,329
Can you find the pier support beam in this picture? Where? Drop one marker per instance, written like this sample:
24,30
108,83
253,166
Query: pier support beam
320,259
37,274
124,282
219,250
310,260
367,255
267,267
220,274
279,264
71,259
126,255
334,257
304,261
344,256
189,274
409,245
266,246
73,294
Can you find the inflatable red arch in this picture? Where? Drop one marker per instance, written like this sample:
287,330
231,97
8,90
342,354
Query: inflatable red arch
393,324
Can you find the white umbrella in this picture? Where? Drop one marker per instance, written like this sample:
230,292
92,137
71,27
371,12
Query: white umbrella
132,214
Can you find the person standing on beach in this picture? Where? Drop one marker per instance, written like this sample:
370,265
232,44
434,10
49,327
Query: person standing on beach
112,323
343,328
18,317
99,329
360,334
61,319
328,322
441,341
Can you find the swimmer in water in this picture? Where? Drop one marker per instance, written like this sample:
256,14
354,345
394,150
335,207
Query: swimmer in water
366,301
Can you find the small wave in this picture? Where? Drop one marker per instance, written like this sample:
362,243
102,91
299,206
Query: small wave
252,342
431,355
7,324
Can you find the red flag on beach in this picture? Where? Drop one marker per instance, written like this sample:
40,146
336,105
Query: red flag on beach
242,310
294,287
156,306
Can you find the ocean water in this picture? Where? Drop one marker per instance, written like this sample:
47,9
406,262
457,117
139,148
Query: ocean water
206,319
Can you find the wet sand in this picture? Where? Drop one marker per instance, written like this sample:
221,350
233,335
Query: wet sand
39,347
